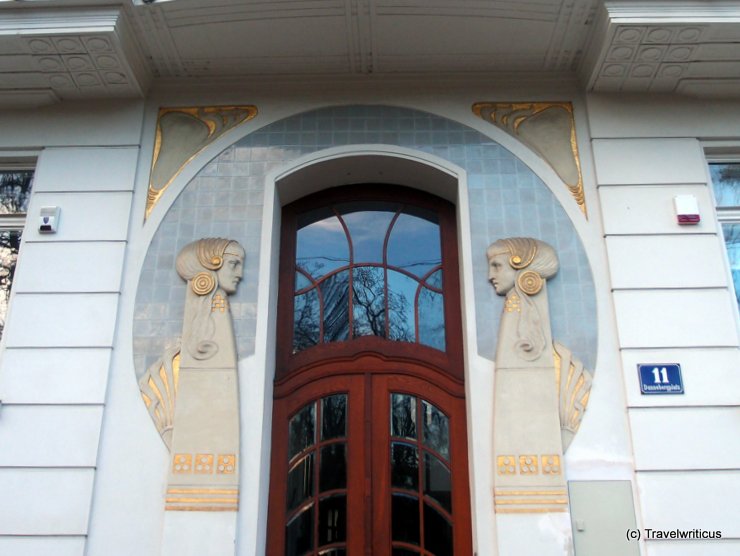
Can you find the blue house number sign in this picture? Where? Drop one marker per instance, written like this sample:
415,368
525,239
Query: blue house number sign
660,378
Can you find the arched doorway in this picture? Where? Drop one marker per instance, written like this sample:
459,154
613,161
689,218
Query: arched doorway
369,448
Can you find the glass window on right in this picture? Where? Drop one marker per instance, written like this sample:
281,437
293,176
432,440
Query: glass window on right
726,184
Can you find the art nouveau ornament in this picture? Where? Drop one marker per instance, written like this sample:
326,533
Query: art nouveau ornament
541,390
192,391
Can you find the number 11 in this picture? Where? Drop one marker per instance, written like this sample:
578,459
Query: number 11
660,374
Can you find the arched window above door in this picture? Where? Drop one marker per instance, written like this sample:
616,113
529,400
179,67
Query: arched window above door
368,269
371,268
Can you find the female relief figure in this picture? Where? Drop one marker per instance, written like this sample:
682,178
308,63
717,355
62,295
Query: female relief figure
518,268
534,400
192,393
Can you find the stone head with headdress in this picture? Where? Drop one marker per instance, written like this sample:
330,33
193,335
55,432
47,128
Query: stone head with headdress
213,268
518,268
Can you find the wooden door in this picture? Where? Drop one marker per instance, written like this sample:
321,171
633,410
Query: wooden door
369,453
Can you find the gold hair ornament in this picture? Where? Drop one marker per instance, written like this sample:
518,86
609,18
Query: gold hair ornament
530,282
516,261
203,283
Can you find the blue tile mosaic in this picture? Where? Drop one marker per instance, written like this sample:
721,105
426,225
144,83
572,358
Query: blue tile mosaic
225,199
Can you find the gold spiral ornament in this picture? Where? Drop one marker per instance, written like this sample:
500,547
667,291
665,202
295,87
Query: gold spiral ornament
203,283
530,282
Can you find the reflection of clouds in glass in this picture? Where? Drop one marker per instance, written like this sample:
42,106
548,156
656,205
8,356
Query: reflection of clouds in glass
322,247
322,250
367,230
414,245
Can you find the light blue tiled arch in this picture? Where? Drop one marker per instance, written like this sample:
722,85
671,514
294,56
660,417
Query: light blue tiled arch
225,200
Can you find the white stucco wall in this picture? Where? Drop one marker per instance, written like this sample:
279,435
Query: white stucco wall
674,302
62,319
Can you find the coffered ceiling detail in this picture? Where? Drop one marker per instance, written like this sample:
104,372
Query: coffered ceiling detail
51,51
69,54
683,47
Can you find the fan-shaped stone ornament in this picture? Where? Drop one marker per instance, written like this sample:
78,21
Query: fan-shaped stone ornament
182,133
548,128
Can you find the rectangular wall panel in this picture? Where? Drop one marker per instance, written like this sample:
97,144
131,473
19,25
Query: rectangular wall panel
675,318
86,169
62,320
49,436
649,209
667,262
45,501
708,500
84,216
70,267
710,376
685,438
648,161
54,376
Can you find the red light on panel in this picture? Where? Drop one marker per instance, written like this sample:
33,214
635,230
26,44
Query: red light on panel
687,210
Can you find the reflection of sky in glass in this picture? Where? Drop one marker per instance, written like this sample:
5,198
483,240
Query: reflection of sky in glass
732,241
414,245
401,294
385,310
322,247
431,319
367,229
726,183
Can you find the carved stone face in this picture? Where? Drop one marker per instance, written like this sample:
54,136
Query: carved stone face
501,275
232,271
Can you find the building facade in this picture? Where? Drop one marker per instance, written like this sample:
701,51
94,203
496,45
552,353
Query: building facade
349,369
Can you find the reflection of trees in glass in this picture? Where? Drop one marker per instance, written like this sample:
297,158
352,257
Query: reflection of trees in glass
306,321
383,252
726,182
9,243
15,190
335,293
368,289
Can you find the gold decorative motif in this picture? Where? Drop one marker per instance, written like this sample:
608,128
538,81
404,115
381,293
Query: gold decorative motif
182,463
203,283
513,304
190,499
506,465
218,303
551,465
530,282
202,491
546,127
204,464
234,508
530,501
182,134
574,386
528,465
226,464
158,388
